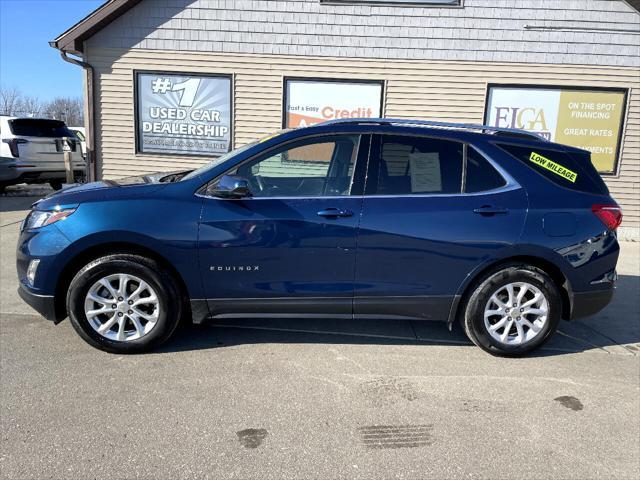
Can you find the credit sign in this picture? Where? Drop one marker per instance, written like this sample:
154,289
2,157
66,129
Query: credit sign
308,102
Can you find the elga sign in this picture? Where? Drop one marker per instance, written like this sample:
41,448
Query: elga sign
183,114
308,102
590,119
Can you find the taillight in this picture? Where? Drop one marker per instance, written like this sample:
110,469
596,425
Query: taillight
610,215
13,145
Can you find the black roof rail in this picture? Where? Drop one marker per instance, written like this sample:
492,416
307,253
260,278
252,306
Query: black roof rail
511,132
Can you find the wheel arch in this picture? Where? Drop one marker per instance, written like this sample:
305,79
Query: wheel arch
82,258
550,268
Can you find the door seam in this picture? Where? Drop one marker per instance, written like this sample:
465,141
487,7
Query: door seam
355,262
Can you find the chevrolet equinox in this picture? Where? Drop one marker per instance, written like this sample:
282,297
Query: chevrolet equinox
494,228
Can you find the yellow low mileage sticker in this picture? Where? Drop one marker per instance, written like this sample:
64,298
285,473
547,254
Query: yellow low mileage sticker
552,166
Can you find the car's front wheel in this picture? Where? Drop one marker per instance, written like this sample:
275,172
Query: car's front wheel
513,310
124,303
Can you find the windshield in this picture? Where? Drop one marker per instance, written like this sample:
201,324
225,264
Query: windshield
218,161
227,156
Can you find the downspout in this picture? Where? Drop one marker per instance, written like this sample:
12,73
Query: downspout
89,113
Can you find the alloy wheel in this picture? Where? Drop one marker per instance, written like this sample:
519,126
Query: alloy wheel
516,313
122,307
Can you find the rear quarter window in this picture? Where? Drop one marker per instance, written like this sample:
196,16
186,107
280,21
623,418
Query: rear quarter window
569,170
28,127
481,176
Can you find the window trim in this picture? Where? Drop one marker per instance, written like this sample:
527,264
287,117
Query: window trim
358,171
510,182
395,3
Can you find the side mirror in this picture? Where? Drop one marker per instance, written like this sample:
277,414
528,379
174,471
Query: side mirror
231,186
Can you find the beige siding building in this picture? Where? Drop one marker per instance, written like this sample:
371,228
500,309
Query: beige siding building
534,64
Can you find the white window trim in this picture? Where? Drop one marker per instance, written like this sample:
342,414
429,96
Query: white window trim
399,3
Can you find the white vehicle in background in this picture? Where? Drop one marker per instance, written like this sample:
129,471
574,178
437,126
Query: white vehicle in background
32,151
81,134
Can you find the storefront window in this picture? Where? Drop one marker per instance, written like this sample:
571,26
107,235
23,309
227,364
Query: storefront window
588,118
184,114
311,101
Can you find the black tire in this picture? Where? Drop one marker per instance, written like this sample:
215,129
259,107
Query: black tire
168,294
474,306
55,184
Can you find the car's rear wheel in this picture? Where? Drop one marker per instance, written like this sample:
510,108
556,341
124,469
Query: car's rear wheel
124,303
513,310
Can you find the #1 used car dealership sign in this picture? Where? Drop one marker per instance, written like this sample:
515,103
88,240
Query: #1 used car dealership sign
590,119
183,114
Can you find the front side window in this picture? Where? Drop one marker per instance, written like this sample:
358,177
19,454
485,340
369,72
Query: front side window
307,168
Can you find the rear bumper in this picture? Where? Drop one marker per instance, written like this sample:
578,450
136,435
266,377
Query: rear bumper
8,172
13,176
584,304
43,304
20,170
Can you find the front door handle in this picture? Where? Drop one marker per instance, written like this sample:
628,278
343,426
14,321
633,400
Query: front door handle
490,210
334,213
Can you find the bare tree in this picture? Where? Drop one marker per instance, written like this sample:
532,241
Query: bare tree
9,99
68,109
30,106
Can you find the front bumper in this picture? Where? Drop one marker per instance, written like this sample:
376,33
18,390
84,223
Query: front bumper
45,305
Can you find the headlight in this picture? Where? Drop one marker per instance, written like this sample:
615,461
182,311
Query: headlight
37,218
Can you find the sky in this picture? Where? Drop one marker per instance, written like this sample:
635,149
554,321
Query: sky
27,62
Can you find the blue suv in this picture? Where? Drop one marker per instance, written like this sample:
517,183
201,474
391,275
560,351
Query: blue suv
497,229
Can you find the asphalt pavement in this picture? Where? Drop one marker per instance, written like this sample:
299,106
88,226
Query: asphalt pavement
318,399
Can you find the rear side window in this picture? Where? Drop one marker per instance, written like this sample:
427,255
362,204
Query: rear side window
414,165
423,165
574,171
29,127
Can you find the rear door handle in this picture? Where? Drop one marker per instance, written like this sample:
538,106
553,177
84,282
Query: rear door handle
334,213
490,210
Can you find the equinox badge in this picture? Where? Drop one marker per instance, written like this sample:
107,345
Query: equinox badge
234,268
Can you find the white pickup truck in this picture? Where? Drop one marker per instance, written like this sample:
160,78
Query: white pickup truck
32,151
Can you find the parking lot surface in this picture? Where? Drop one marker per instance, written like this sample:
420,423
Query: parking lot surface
318,399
